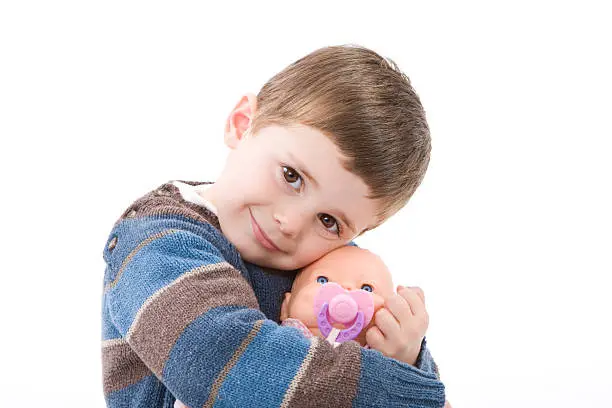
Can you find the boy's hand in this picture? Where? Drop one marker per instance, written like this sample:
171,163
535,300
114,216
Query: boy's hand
400,326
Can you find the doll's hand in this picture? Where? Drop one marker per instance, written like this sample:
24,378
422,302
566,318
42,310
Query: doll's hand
400,326
179,404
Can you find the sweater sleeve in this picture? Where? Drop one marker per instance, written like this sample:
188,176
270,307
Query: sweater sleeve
193,320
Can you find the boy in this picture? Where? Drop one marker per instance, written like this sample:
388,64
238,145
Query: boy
331,147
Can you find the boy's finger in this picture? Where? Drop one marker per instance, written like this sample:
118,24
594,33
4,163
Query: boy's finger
374,338
419,292
388,325
399,307
415,288
414,300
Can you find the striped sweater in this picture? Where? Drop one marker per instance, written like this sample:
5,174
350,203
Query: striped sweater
184,317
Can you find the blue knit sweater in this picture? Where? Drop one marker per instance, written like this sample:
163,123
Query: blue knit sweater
184,317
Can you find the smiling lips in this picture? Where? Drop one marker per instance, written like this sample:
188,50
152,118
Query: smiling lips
261,236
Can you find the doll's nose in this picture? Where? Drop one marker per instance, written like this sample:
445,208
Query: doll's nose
343,308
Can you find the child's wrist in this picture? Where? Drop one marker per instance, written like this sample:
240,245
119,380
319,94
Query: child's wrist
410,356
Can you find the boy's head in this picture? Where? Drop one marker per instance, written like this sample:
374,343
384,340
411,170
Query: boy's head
330,147
350,267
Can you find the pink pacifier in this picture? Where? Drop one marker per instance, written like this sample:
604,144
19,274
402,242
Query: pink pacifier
334,304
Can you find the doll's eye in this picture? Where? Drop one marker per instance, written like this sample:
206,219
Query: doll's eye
367,288
322,280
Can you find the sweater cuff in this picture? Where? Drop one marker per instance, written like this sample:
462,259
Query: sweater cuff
425,361
389,382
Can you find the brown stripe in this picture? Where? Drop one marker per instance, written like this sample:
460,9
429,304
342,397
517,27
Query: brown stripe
165,315
316,382
120,366
131,255
314,343
231,363
167,200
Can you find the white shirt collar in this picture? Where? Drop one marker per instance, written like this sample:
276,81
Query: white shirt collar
192,194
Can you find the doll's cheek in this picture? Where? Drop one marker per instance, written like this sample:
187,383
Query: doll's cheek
379,302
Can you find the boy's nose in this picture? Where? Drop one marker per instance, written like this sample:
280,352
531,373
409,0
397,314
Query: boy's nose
288,225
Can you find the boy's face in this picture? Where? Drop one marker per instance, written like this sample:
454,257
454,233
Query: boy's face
284,199
350,267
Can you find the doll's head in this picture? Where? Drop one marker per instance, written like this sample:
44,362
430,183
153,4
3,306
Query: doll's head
350,267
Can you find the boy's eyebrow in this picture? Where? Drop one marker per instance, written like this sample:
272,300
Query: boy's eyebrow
303,170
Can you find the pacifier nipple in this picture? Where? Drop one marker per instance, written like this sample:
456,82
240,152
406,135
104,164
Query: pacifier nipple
343,309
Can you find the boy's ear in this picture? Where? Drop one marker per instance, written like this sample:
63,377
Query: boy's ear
285,307
239,120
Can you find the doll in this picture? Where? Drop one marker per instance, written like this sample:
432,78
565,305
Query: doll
336,296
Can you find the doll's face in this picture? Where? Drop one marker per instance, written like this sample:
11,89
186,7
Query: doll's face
350,267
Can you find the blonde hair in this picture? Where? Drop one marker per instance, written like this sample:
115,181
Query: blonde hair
369,109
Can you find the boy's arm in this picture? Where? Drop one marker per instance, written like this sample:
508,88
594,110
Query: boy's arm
193,321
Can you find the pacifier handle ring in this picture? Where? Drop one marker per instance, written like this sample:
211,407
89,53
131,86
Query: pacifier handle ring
353,331
347,334
324,326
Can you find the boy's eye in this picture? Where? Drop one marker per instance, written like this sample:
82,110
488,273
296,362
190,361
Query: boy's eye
322,280
367,288
292,177
330,223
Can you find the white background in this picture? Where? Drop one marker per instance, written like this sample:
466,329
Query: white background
509,235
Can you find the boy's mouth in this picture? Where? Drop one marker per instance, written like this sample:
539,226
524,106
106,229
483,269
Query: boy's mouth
261,236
